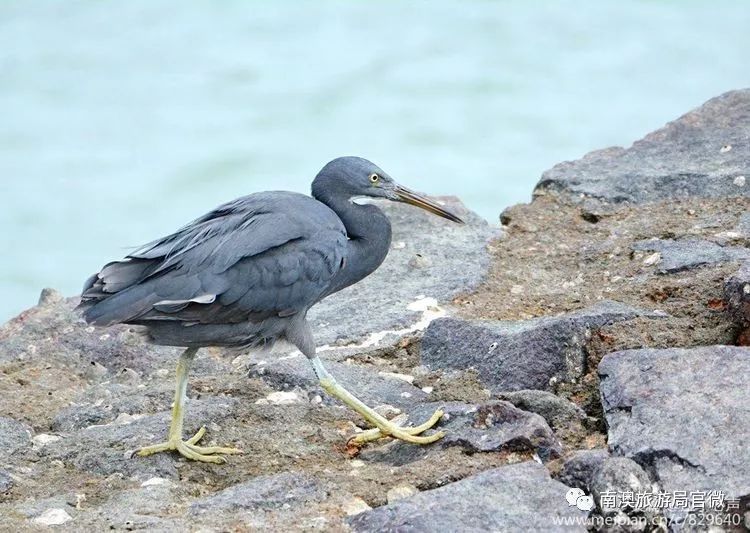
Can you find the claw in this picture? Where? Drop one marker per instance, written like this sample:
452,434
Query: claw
408,434
188,448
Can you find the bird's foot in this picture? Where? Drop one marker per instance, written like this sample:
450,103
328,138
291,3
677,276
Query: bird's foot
188,448
408,434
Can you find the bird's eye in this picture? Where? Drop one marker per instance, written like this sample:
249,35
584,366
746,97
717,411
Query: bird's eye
374,178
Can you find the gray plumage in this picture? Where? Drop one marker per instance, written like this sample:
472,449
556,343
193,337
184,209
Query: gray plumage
245,274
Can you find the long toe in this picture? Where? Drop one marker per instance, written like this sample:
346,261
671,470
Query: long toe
212,450
408,434
188,449
156,448
414,439
192,452
198,435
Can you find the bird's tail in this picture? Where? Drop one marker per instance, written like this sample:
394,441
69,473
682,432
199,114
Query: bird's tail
118,292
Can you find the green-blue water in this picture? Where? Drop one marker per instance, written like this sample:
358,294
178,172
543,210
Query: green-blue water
121,120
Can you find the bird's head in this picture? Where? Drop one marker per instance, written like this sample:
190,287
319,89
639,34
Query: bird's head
358,177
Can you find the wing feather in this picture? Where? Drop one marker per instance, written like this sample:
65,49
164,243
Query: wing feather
262,255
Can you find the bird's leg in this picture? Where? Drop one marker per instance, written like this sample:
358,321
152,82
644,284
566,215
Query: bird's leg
188,448
383,426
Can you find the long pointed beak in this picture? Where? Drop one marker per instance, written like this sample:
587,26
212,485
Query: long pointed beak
410,197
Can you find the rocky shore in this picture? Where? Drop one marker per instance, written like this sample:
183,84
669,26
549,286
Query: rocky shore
594,341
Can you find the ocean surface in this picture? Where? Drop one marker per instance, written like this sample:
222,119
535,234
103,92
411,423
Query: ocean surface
120,121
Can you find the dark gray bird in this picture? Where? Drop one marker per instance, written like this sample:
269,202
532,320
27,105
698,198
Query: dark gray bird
245,275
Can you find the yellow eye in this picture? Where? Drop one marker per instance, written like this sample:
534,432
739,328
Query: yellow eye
374,178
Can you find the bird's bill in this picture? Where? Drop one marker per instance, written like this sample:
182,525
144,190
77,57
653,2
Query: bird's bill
411,197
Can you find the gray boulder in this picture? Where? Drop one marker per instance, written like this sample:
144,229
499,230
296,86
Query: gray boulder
531,354
686,254
579,468
520,497
615,478
704,153
495,426
97,353
558,412
684,414
617,475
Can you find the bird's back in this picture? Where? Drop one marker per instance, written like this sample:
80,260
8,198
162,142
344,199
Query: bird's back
233,277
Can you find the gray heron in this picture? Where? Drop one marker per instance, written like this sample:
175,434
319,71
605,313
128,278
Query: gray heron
245,275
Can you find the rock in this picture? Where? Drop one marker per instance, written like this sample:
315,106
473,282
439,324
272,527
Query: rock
368,385
737,296
558,412
280,398
617,475
532,354
579,468
652,259
437,260
685,254
262,493
686,158
683,414
519,497
14,437
52,517
490,427
56,328
615,487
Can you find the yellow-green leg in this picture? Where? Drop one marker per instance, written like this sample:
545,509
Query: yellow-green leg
188,448
383,426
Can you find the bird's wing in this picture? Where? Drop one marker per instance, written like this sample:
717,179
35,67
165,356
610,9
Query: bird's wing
259,256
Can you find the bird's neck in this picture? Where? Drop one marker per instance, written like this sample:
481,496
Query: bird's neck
369,232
